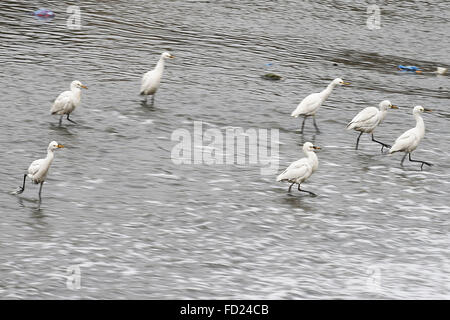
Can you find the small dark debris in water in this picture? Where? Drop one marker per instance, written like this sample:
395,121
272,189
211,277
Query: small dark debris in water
272,76
44,13
335,64
409,68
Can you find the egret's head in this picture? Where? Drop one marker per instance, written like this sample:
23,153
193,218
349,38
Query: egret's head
54,145
166,55
386,104
339,81
308,146
420,109
77,84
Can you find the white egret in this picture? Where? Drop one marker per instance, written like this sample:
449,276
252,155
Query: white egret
368,119
152,79
68,101
38,169
302,169
409,140
310,105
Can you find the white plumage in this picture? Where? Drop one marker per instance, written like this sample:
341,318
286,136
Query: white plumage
310,104
302,169
38,169
369,118
152,79
409,140
67,101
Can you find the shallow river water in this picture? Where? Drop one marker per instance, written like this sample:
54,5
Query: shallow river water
134,224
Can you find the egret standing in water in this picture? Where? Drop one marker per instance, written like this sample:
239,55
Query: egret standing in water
68,101
409,140
152,79
302,169
368,119
310,105
38,169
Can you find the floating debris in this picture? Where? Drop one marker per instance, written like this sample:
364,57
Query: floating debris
441,70
44,13
409,68
272,76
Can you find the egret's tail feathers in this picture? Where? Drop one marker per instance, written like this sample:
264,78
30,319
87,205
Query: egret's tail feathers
350,126
393,149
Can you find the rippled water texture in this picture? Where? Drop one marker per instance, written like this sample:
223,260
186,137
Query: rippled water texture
139,226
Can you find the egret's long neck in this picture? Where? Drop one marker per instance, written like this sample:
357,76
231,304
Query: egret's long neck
313,160
326,93
382,114
50,156
419,122
77,92
160,65
312,157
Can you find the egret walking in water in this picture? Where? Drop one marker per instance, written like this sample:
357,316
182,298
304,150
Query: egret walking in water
302,169
368,119
409,140
38,169
152,79
68,101
310,105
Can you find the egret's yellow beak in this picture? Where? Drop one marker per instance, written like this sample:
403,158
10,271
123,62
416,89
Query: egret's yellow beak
83,86
427,110
317,148
346,84
171,56
394,107
60,146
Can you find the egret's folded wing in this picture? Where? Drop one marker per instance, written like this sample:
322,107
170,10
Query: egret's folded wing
405,140
295,170
34,166
61,101
147,79
365,118
307,105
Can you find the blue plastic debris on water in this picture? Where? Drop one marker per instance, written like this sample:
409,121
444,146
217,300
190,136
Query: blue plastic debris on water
44,13
408,68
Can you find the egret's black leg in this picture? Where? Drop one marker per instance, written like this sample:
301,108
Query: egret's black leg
153,99
40,190
70,119
289,190
403,159
22,188
60,120
311,193
357,140
423,162
315,124
382,144
303,124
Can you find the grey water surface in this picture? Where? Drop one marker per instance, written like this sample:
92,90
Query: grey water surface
139,226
